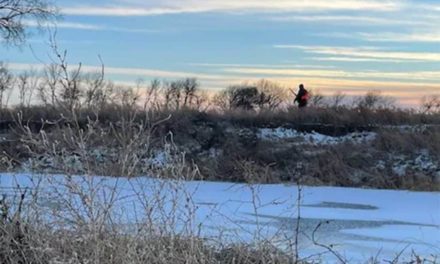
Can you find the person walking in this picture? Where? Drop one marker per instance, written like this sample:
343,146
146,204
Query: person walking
302,97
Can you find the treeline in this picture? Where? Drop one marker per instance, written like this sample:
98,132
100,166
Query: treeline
61,87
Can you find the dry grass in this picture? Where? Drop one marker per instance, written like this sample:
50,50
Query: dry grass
113,112
123,143
407,142
27,244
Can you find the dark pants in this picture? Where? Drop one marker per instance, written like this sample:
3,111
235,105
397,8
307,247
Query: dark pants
302,103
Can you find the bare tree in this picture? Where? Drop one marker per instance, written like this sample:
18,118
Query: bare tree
22,85
68,79
176,89
96,90
127,97
6,82
179,93
151,94
337,99
373,100
93,89
262,95
221,100
167,95
13,15
27,81
242,97
317,99
48,90
202,100
431,104
72,88
190,87
272,95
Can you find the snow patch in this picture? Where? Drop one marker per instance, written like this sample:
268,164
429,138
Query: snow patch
422,162
313,137
211,153
159,159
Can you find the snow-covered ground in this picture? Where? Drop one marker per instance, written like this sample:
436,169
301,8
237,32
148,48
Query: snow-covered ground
422,162
360,223
313,137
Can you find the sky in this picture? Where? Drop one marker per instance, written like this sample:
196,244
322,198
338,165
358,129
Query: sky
349,46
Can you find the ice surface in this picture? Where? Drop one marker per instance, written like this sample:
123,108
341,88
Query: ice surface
360,223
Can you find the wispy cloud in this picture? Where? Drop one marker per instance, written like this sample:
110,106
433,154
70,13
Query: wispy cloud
285,72
416,36
352,59
427,76
124,11
274,66
244,73
398,37
366,53
85,26
142,8
68,25
353,20
137,72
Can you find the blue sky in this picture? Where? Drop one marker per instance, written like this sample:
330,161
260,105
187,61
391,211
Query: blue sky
350,46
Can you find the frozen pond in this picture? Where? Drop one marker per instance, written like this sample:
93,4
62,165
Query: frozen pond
358,223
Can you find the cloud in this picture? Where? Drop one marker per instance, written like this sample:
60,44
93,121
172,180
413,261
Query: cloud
85,26
243,73
137,72
417,36
398,37
123,11
431,7
351,59
275,66
426,76
286,72
366,53
143,8
70,25
353,20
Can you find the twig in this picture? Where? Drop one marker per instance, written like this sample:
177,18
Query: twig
329,248
396,259
298,219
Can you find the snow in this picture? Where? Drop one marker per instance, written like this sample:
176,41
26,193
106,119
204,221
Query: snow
362,222
159,159
423,162
313,137
400,169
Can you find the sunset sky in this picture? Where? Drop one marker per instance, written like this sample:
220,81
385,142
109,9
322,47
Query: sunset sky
350,46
